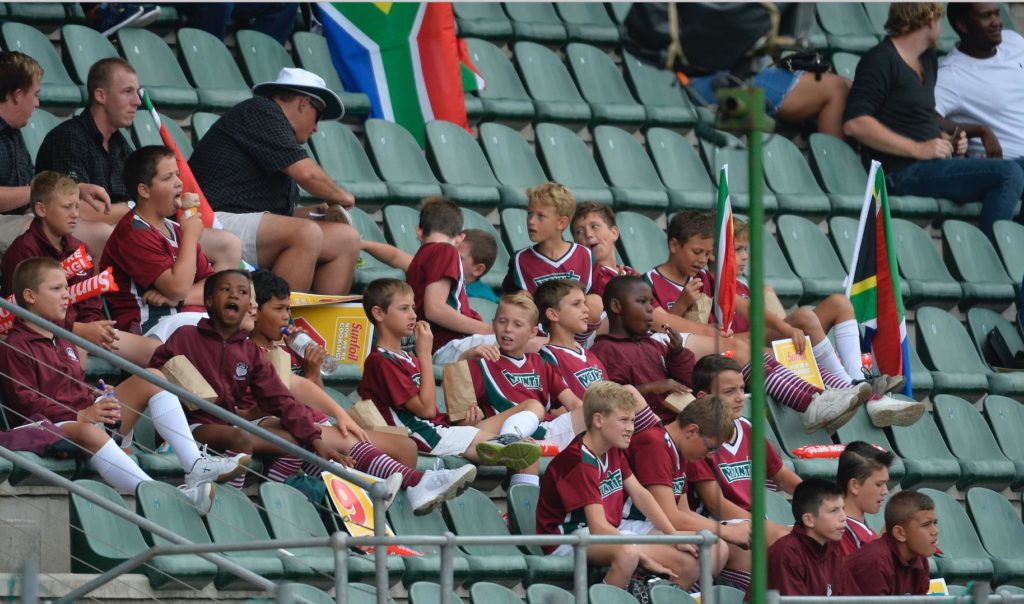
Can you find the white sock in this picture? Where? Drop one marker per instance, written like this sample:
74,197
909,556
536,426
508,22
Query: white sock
522,424
827,359
117,468
170,423
848,345
520,478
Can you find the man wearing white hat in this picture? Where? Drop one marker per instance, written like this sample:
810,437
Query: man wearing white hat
250,165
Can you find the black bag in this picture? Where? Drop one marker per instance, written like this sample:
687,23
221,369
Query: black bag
998,354
809,61
39,436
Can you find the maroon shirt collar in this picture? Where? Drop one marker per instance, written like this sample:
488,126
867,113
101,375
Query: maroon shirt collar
811,545
889,541
205,327
68,244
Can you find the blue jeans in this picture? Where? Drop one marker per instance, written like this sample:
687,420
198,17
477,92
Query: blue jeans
996,183
275,19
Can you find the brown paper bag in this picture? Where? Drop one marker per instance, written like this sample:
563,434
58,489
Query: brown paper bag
677,402
459,394
182,373
366,414
701,309
282,362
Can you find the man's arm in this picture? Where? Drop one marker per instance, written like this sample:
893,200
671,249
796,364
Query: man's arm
313,179
12,198
993,150
871,132
436,309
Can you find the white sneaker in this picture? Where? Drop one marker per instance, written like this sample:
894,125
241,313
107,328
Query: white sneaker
201,496
437,486
393,484
834,407
885,412
212,468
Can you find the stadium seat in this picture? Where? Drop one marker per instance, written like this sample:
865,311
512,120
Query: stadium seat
81,47
466,177
312,54
601,84
670,594
473,513
787,173
1005,417
777,509
728,595
927,277
312,595
811,256
39,125
513,229
663,98
568,161
981,321
847,26
58,90
364,594
262,57
428,566
540,593
1012,590
536,21
482,20
504,98
642,242
201,123
687,182
21,477
554,94
167,506
844,178
212,70
860,428
878,14
522,513
485,307
234,519
400,224
736,158
951,350
970,440
513,161
495,276
963,557
39,14
789,427
425,592
369,268
400,162
845,64
588,22
492,593
975,264
925,456
610,594
158,70
1009,240
921,381
777,272
99,539
145,132
339,153
626,165
842,230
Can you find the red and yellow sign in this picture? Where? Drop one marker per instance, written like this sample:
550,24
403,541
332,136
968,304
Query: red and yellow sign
803,365
338,323
355,508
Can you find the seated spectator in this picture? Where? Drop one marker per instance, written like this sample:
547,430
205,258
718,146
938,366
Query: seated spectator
276,19
896,564
864,476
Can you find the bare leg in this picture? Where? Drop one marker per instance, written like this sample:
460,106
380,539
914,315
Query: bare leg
87,436
290,247
401,448
222,248
702,346
805,320
493,424
134,394
134,348
622,560
824,100
834,310
220,437
336,263
94,235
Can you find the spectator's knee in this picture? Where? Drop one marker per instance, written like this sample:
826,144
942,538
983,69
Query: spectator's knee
341,235
239,442
803,318
306,233
626,557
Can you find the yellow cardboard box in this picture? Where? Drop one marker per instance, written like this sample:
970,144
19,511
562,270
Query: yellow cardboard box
337,323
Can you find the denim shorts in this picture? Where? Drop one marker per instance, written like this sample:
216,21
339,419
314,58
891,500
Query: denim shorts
777,84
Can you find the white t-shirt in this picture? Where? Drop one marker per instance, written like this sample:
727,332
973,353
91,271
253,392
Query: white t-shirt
986,91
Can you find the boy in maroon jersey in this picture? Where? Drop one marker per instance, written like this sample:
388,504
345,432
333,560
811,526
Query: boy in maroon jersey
864,476
55,201
593,226
586,485
896,564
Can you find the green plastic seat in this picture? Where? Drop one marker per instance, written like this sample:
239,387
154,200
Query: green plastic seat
1005,417
777,509
847,26
312,54
568,161
339,153
485,307
1009,240
400,224
601,84
234,519
166,506
687,182
1012,590
670,594
400,162
842,230
536,21
540,593
81,47
626,165
843,177
482,20
928,278
202,121
642,242
845,64
555,97
100,540
145,132
610,594
369,268
588,22
39,125
964,558
492,593
792,181
310,594
40,14
922,382
466,177
158,70
513,161
878,14
811,256
522,513
288,514
424,592
495,276
473,513
925,456
974,262
727,595
504,99
428,566
777,272
971,441
860,428
790,429
663,98
261,57
958,366
58,90
736,157
981,321
21,477
513,229
212,70
364,594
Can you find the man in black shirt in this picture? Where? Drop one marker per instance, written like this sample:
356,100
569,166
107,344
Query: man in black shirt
250,165
891,111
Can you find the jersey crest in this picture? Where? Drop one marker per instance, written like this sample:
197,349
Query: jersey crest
571,275
588,376
739,470
611,484
528,380
679,485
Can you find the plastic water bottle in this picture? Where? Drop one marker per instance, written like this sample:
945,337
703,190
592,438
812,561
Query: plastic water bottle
106,392
300,340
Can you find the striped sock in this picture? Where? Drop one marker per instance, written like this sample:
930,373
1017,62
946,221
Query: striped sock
735,578
377,463
783,385
311,469
645,418
283,468
832,380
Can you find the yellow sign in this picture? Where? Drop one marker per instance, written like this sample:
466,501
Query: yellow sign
337,323
803,365
355,508
937,587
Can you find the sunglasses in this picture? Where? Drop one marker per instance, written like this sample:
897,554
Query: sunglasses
707,443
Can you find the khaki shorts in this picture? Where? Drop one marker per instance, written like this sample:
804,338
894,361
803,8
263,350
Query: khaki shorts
12,225
245,227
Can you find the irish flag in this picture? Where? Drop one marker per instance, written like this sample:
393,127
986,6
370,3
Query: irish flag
873,285
404,56
725,255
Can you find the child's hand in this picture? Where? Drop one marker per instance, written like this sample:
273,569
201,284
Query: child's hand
424,338
652,565
192,226
313,359
250,413
690,292
474,415
737,534
100,333
324,450
666,386
799,339
107,411
346,425
675,339
155,298
488,352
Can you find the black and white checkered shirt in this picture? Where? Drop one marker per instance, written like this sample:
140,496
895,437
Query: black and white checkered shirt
15,161
75,148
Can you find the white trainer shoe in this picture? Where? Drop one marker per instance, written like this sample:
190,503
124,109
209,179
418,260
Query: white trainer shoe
437,486
393,484
834,407
885,412
201,496
212,468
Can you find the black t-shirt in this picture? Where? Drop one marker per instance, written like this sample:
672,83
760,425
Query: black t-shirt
239,162
75,148
15,161
888,89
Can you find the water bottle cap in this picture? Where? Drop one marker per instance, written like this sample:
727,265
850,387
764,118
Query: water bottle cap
284,330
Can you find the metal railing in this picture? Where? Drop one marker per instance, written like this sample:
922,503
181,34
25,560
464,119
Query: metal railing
773,597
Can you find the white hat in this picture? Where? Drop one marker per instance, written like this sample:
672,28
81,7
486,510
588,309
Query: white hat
307,83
